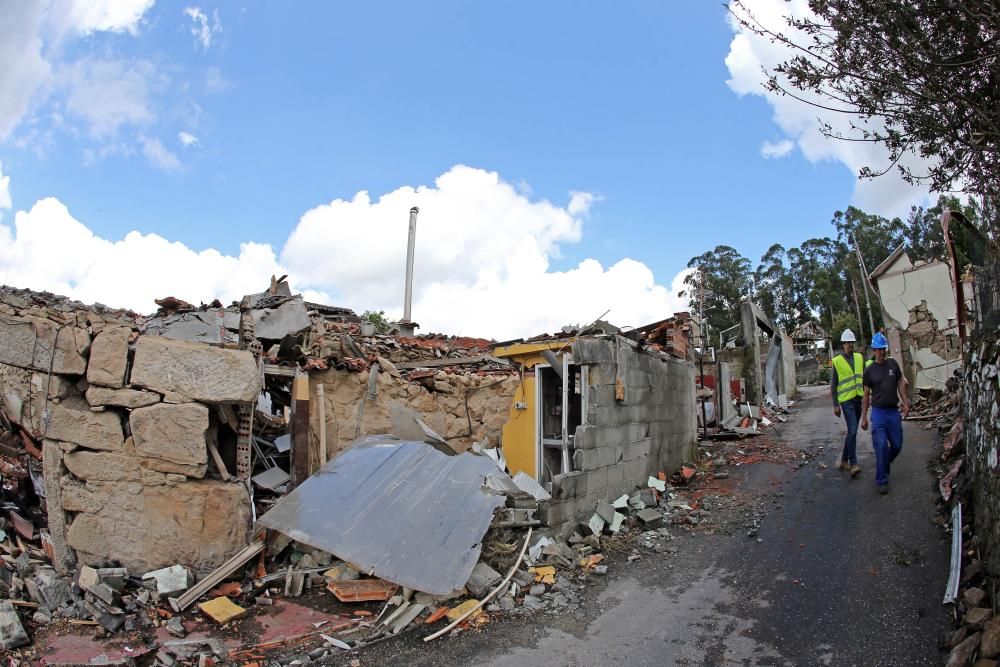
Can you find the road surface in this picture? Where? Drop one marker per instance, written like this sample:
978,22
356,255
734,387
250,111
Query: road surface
836,575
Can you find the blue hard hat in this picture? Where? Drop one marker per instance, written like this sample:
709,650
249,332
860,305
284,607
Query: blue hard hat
879,342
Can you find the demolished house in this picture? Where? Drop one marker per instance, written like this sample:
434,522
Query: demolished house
813,347
756,371
163,449
921,316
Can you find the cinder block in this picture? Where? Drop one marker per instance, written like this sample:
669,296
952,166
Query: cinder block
616,476
587,436
584,459
640,413
641,395
601,395
587,505
603,374
639,430
592,350
554,512
613,435
597,480
609,456
569,485
613,415
637,450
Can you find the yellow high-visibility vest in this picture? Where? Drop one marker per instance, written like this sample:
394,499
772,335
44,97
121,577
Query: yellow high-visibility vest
848,379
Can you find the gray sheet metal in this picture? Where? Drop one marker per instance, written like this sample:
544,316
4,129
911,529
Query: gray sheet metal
955,571
398,510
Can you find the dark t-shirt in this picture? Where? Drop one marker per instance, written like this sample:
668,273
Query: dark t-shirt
883,379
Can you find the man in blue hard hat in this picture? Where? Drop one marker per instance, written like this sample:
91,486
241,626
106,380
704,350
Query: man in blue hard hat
884,388
846,391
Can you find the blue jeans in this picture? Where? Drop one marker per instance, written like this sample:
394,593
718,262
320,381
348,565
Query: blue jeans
852,413
887,440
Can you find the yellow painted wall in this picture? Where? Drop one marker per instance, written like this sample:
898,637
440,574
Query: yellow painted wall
519,431
519,443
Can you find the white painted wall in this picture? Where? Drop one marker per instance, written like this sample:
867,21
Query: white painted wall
902,287
901,291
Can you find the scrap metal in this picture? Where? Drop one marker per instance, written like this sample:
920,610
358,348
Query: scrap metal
399,510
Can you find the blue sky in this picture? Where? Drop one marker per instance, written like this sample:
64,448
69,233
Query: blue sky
287,109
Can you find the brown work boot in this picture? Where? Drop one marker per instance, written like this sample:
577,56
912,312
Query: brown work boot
855,470
844,465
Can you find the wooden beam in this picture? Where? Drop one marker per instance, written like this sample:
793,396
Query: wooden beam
212,580
279,371
300,430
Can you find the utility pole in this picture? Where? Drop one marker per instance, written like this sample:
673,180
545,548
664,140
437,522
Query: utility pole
864,271
701,358
857,308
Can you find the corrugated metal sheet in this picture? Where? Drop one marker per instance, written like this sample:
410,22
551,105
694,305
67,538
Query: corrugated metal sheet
402,511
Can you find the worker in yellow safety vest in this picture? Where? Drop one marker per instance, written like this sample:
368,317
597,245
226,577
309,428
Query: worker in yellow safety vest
846,391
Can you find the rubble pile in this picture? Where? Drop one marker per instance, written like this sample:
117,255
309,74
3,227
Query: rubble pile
152,494
976,637
672,335
937,407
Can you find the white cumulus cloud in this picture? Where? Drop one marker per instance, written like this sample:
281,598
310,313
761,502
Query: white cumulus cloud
108,94
750,53
5,201
158,154
187,139
200,28
32,35
89,16
49,249
482,261
777,149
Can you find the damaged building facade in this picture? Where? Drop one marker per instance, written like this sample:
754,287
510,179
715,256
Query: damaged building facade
156,440
921,315
594,416
120,428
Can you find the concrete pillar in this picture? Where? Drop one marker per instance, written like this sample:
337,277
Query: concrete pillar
751,371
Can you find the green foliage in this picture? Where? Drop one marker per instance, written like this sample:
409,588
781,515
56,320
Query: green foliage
920,79
382,325
723,278
843,321
822,278
924,236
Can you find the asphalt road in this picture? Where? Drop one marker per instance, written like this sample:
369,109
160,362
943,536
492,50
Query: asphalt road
837,575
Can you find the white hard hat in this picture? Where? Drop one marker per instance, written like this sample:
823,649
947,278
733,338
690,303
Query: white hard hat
847,336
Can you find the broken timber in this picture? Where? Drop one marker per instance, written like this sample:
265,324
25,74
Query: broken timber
212,580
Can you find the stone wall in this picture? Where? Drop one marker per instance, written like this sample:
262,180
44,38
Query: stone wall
123,422
623,442
931,350
981,419
349,410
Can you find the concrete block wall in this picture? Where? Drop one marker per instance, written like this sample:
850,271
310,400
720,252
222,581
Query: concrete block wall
981,422
623,442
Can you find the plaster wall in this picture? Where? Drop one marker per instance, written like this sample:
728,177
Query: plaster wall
902,291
